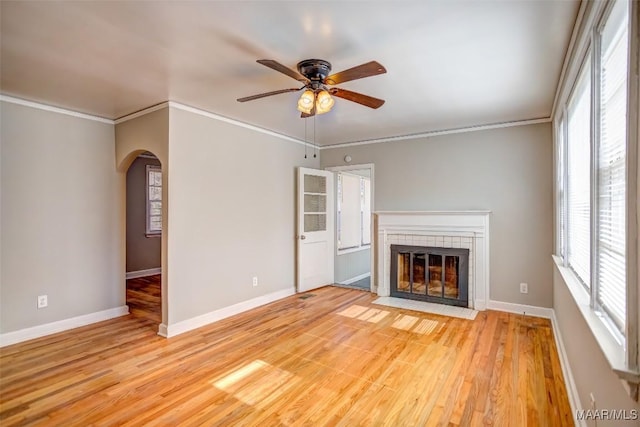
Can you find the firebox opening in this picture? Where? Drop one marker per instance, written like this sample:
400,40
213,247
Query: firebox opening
430,274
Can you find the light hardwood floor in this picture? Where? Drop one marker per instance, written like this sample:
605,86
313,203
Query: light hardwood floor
143,298
330,359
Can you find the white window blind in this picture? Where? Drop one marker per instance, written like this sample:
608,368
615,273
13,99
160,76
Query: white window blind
561,211
611,268
578,177
349,211
354,211
365,198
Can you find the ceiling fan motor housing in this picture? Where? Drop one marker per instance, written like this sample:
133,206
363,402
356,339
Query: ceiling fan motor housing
315,70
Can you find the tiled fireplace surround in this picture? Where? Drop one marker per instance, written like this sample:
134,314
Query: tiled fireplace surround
443,229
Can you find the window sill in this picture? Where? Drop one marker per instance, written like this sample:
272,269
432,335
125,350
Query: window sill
352,250
613,351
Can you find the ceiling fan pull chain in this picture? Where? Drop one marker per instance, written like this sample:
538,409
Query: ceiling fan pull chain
314,137
305,139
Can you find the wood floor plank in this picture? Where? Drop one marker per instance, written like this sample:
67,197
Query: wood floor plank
331,359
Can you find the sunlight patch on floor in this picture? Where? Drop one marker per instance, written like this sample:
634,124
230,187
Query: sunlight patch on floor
404,322
372,315
353,311
257,383
426,326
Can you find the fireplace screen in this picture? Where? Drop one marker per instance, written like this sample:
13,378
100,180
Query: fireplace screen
430,274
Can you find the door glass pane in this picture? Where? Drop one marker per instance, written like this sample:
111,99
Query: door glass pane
451,277
315,184
435,276
404,284
315,222
419,282
315,203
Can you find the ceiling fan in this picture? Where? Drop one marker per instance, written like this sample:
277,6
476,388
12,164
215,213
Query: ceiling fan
314,73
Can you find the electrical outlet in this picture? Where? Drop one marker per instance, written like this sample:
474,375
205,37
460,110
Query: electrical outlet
42,301
524,288
255,281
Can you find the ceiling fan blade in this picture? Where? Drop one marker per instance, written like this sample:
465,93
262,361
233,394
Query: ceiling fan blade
274,65
372,68
262,95
365,100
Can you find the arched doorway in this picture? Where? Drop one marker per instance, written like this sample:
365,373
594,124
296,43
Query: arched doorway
143,262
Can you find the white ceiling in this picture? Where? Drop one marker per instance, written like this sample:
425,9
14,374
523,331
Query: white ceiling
450,64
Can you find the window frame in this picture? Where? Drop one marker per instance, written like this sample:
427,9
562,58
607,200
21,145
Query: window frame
598,32
620,350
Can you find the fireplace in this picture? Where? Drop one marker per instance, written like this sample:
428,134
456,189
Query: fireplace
439,275
435,229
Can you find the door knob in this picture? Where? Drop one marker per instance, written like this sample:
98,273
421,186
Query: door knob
303,237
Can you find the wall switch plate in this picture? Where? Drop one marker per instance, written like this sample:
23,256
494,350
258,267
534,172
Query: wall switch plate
524,288
42,301
255,281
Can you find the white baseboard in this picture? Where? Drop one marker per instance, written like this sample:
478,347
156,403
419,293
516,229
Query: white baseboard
162,330
143,273
178,328
355,279
60,326
570,384
530,310
479,305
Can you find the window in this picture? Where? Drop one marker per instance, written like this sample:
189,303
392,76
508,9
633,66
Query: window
578,182
611,166
365,210
560,193
591,187
154,200
354,212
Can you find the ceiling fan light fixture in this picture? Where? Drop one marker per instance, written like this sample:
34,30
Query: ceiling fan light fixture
324,102
305,103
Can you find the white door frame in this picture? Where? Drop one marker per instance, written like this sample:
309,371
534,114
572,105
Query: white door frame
374,235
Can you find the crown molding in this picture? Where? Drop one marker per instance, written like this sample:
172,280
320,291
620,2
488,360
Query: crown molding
142,112
208,114
51,108
239,123
568,55
440,132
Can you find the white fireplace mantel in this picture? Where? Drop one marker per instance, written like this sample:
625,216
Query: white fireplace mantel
472,225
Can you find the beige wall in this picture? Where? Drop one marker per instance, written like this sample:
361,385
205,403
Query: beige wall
350,265
508,171
60,217
143,252
231,214
590,369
